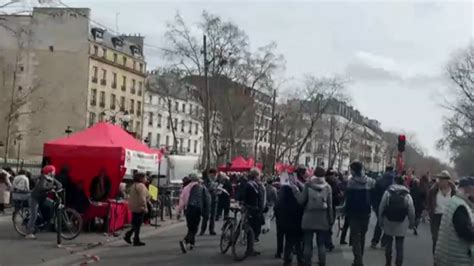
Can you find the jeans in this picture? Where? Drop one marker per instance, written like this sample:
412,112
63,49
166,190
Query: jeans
398,248
321,238
34,205
255,222
293,243
193,217
435,222
137,221
358,226
345,228
211,219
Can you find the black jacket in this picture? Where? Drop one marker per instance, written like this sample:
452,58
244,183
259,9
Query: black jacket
381,185
288,212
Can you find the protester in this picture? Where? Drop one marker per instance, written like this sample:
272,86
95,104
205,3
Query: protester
425,185
193,201
344,179
418,201
211,185
358,207
21,183
100,187
396,215
456,233
224,196
137,204
381,185
317,199
337,197
252,199
409,178
44,184
271,195
289,215
438,198
262,203
5,187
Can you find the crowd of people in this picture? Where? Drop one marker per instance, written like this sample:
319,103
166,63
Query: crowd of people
306,208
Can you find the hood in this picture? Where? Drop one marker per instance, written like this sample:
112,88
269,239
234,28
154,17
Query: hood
360,179
396,187
317,182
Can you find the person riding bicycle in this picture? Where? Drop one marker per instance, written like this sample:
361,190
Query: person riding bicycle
44,184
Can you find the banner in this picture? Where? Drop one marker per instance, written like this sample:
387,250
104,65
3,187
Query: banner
140,161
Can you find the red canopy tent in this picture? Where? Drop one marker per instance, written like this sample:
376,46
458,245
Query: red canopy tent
239,164
103,147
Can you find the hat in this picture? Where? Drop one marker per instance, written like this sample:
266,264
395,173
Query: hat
466,181
48,169
443,175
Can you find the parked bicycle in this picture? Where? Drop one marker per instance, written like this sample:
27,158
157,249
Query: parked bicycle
71,220
238,234
228,229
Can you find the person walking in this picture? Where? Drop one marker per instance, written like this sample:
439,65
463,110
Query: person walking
224,196
418,201
5,188
396,215
318,216
381,185
344,179
456,233
438,198
358,207
337,197
210,181
137,203
271,194
193,201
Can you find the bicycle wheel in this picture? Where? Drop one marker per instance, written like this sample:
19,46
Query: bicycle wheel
71,223
20,220
242,240
226,237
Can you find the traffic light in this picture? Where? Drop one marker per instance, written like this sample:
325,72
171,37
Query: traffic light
401,143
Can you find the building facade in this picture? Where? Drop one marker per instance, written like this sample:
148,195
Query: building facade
57,71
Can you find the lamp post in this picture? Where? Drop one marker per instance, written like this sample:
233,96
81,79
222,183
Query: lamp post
68,131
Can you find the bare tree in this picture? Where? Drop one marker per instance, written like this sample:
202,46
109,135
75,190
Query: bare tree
339,141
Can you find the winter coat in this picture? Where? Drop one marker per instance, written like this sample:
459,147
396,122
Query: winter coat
431,199
43,185
184,197
314,217
5,188
393,228
358,196
417,196
288,212
272,196
137,202
381,185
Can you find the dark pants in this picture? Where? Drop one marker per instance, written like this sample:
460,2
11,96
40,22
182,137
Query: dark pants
211,219
255,222
398,248
280,238
321,240
223,206
193,217
358,227
345,227
435,222
2,207
293,244
137,221
377,232
328,242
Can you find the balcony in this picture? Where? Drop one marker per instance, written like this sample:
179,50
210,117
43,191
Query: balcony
132,111
102,104
93,102
122,109
139,113
114,85
123,88
94,79
139,92
103,82
132,90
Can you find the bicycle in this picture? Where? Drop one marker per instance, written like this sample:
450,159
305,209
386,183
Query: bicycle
228,229
242,236
71,220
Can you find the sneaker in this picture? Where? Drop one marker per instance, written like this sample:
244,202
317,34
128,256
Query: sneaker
183,246
277,256
127,239
138,244
415,231
201,234
30,236
343,242
191,247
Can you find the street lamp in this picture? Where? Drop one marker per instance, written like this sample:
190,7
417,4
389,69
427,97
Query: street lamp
68,131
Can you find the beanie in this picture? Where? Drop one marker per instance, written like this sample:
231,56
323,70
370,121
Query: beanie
48,169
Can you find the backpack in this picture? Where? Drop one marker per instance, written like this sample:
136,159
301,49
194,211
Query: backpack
397,208
317,199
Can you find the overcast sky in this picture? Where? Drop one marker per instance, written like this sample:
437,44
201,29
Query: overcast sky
393,52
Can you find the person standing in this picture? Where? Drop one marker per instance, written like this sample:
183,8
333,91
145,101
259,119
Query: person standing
396,215
271,195
5,187
438,198
456,233
418,201
381,185
252,199
337,196
318,216
224,195
137,203
212,187
358,207
192,201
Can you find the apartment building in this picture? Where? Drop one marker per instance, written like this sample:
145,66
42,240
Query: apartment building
58,71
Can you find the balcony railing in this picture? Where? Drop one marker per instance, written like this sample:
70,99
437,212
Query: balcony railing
94,79
102,104
113,107
123,88
114,85
103,82
93,102
132,90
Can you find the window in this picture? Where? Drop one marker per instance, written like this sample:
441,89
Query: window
132,106
181,144
158,139
196,110
168,122
140,84
167,141
103,81
195,146
102,99
137,126
141,67
196,128
150,99
159,120
175,123
149,138
134,65
183,108
133,86
190,130
150,119
95,72
124,61
182,125
112,101
189,146
122,104
130,127
139,108
92,118
190,109
114,80
124,83
115,57
104,53
96,50
176,106
93,97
